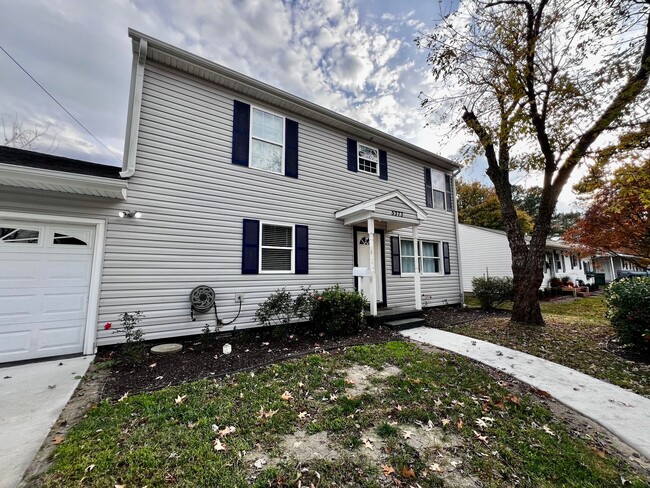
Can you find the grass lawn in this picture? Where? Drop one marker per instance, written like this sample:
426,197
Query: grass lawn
577,335
379,415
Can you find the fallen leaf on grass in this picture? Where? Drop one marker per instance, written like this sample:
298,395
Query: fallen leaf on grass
303,415
481,438
548,430
436,468
259,464
514,399
599,452
266,414
218,446
286,396
388,470
89,468
180,399
407,434
540,393
58,439
459,424
123,397
445,421
226,431
407,473
368,443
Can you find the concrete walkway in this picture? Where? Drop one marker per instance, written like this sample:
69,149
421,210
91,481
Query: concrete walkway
623,413
31,398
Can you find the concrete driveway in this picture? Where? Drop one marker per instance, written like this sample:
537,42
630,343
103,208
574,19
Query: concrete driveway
31,398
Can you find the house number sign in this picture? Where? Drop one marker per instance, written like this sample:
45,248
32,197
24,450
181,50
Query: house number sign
396,213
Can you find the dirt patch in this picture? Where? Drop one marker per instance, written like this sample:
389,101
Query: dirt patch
250,349
442,317
87,394
304,447
359,378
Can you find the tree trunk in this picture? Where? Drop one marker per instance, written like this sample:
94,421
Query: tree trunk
528,274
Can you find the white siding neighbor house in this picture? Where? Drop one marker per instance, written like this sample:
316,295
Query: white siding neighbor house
231,183
486,252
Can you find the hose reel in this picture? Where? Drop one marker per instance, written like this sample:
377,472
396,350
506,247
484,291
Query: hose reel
202,299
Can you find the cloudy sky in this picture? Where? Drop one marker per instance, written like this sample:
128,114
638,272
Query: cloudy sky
356,57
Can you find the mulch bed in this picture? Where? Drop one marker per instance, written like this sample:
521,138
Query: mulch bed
444,317
250,349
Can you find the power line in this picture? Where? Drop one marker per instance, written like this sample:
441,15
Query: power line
59,104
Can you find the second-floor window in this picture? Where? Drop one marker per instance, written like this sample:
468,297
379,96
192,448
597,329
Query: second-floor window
368,159
267,141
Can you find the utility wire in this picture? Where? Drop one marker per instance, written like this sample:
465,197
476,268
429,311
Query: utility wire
59,104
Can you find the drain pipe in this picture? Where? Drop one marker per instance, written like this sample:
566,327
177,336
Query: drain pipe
460,261
135,104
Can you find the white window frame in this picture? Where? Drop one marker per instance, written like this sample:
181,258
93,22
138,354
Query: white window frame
434,189
251,137
293,247
359,170
421,257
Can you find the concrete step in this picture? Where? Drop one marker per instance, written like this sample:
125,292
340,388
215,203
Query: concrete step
403,324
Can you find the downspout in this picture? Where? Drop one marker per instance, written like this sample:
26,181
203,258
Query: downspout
135,104
458,253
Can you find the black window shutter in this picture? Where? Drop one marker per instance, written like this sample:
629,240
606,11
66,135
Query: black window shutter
352,155
395,255
383,165
580,263
240,132
445,258
428,195
291,148
250,247
449,193
302,249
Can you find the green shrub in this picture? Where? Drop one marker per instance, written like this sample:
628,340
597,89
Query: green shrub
492,291
134,348
281,308
628,309
337,311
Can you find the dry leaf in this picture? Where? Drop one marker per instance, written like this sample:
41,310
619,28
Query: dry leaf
407,473
399,407
368,443
480,437
303,415
408,434
548,430
286,396
124,397
387,470
266,414
445,421
58,439
259,463
120,486
153,365
180,399
226,431
459,424
599,452
89,468
436,468
218,446
514,399
349,381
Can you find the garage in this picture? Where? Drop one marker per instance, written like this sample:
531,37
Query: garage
46,269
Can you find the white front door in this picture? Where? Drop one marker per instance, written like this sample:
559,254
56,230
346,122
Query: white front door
45,272
363,260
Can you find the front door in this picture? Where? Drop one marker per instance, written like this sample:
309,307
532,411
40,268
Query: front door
363,260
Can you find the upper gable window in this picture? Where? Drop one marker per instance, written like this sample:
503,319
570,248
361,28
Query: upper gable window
267,141
368,159
19,236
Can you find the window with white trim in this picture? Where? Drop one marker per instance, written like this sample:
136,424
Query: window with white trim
13,235
276,248
368,159
429,257
438,188
267,141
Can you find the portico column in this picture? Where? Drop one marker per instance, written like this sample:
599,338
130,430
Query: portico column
416,276
373,276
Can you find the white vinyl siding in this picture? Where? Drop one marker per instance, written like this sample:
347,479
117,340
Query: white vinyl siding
276,248
267,141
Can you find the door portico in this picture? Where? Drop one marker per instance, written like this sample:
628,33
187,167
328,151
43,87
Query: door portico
393,211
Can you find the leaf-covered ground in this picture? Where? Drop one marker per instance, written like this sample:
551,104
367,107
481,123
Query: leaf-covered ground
380,415
576,334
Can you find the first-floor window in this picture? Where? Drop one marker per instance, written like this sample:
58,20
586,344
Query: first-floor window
428,256
276,248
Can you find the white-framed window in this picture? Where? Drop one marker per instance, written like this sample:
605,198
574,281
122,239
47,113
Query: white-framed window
367,159
267,141
277,247
438,187
16,235
429,257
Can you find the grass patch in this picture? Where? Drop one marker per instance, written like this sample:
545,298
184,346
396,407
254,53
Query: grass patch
576,334
167,437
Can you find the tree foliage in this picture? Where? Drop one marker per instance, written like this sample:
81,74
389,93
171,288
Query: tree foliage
618,219
537,83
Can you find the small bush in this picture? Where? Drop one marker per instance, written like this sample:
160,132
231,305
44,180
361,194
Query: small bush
338,311
492,291
134,349
281,308
628,309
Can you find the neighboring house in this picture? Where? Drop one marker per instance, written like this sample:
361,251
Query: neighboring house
610,265
487,252
239,186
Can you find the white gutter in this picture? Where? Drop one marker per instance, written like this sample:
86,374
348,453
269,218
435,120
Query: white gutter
135,105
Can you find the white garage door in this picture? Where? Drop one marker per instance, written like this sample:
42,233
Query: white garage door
45,274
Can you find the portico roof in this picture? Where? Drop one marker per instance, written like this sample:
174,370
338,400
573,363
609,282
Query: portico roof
393,207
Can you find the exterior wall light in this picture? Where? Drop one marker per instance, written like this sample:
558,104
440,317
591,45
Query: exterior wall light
132,214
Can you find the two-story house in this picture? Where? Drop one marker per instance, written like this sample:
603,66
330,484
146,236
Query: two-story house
231,183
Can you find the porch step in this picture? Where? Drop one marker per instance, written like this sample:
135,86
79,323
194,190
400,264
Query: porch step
402,324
